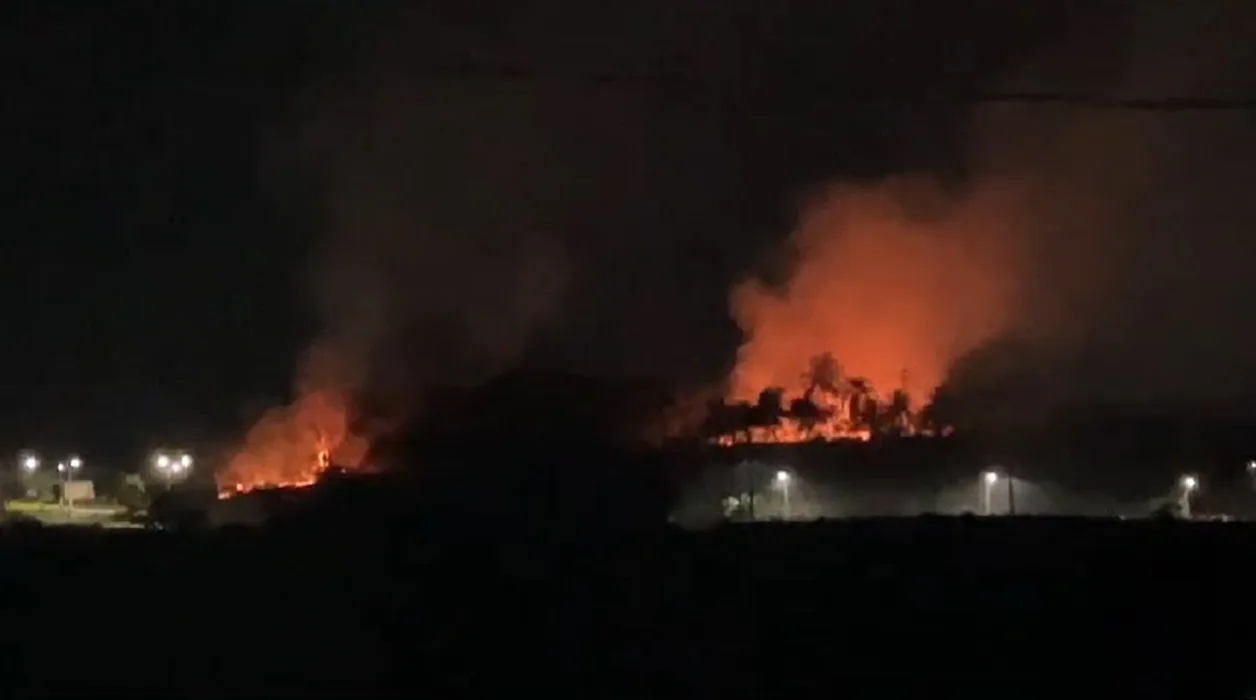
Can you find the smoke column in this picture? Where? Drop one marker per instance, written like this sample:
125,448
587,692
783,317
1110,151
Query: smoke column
893,277
1066,232
435,263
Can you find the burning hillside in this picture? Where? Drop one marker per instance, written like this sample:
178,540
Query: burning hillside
292,446
828,406
898,278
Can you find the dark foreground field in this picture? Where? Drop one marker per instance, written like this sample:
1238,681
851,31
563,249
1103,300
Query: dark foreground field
993,608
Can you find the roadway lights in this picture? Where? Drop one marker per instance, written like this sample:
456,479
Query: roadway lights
988,479
172,465
29,461
69,466
66,469
991,478
783,480
1189,484
172,461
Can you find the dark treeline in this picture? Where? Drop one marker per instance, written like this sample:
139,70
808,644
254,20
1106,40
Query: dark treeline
534,408
563,419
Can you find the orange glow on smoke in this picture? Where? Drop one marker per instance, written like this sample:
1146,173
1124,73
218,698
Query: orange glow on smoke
895,281
293,445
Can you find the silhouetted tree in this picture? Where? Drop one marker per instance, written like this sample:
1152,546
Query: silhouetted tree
941,411
824,374
715,421
897,413
741,417
725,419
863,403
828,395
769,409
807,413
131,494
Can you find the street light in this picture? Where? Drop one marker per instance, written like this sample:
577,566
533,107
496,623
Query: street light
69,466
30,462
171,465
988,479
66,469
1189,484
783,480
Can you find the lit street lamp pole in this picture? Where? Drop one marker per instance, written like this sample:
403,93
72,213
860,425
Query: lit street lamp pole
988,480
28,462
782,481
172,465
1189,485
66,469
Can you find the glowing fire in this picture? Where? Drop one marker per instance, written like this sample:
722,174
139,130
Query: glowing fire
825,405
895,279
828,426
790,431
292,446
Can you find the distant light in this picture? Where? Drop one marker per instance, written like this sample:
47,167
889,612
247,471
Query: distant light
30,463
185,461
75,463
990,477
782,477
162,461
60,466
1190,483
1251,465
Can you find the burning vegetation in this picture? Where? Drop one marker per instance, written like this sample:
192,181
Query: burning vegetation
294,445
897,278
830,406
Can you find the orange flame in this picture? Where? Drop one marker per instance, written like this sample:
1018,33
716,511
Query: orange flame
895,280
293,445
791,431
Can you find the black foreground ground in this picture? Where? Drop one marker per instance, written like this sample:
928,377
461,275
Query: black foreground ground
1002,607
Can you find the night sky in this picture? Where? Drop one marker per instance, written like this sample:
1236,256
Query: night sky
198,190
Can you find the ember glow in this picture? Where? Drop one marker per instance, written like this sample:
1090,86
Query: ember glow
293,445
790,431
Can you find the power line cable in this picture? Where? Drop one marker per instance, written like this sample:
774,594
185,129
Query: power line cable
664,80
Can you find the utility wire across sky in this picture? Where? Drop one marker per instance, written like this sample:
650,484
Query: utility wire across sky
500,71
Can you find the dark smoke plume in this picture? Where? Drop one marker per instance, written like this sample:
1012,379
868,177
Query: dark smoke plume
436,263
436,260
